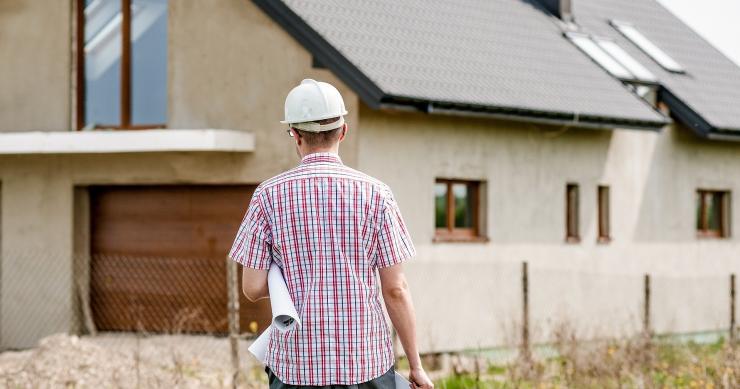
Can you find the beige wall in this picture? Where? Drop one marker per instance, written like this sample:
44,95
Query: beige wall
34,70
231,66
653,178
228,69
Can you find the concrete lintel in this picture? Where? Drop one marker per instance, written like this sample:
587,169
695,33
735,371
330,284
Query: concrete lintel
126,141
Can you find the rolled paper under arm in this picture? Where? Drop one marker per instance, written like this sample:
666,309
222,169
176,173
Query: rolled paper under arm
285,318
284,315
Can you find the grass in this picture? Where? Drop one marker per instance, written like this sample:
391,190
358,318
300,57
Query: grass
639,362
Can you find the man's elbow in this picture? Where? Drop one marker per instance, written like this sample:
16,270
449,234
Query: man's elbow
396,292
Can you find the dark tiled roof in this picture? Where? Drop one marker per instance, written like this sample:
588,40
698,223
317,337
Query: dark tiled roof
711,86
502,56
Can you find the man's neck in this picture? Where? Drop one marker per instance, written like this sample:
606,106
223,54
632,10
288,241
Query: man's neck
333,150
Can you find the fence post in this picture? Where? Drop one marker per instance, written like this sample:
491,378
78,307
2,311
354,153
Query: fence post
525,352
232,284
732,308
646,307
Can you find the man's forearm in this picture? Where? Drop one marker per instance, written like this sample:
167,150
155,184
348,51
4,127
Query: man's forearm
401,312
254,284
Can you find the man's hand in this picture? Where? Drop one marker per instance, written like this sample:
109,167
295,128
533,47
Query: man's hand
419,379
401,311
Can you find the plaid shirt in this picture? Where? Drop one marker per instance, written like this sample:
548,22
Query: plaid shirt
328,227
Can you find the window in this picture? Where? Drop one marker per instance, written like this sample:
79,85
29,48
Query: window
612,58
638,71
594,52
571,213
456,205
603,204
713,213
122,63
653,51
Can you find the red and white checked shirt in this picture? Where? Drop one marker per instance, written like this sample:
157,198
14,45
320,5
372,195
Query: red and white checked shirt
328,227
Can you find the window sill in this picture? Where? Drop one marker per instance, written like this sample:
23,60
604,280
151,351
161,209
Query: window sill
572,240
710,236
604,240
126,141
460,239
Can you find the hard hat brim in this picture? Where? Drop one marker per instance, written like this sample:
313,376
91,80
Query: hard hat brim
318,118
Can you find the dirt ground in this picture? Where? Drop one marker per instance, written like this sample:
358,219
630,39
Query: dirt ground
128,361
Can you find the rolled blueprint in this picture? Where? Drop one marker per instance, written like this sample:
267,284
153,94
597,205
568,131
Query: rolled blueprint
285,317
259,346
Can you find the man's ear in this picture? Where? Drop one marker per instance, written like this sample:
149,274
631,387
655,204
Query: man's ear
345,128
296,136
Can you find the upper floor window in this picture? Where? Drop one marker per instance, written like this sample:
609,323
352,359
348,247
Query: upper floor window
713,213
122,63
571,213
456,204
604,213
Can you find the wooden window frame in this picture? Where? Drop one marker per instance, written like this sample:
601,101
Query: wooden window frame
572,214
703,230
603,203
125,76
455,234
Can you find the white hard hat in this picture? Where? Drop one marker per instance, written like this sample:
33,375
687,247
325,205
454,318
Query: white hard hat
313,101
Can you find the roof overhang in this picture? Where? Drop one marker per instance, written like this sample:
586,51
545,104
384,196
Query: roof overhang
125,141
691,119
376,98
573,119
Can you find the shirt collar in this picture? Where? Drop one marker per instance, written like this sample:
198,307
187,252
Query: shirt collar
321,157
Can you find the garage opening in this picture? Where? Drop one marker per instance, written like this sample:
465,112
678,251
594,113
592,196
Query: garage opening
158,258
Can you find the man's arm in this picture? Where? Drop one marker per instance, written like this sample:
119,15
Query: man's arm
254,284
400,308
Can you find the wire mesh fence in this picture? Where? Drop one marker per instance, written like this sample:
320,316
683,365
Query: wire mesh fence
142,321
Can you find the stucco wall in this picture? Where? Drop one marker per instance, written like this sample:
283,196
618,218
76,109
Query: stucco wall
34,70
229,67
598,287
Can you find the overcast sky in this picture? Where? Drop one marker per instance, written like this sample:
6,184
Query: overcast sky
716,20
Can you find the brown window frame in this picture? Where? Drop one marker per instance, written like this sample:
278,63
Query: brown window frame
702,228
603,199
125,76
456,234
572,213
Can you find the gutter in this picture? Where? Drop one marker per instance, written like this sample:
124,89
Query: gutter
574,119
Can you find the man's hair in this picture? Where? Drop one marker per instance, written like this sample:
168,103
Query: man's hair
321,139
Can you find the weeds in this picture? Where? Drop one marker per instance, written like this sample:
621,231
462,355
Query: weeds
637,362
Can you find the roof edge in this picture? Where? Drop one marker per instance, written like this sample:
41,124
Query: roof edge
519,114
320,48
371,94
691,119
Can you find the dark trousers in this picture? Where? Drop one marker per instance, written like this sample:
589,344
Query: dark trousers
386,381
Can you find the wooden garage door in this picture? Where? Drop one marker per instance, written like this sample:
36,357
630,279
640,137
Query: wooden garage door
158,258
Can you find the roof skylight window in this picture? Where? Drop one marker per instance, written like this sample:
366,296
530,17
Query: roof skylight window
588,46
612,58
636,68
646,45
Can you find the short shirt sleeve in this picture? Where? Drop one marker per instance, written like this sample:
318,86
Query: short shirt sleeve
252,246
394,243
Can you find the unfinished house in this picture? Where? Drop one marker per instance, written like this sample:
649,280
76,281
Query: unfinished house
594,140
